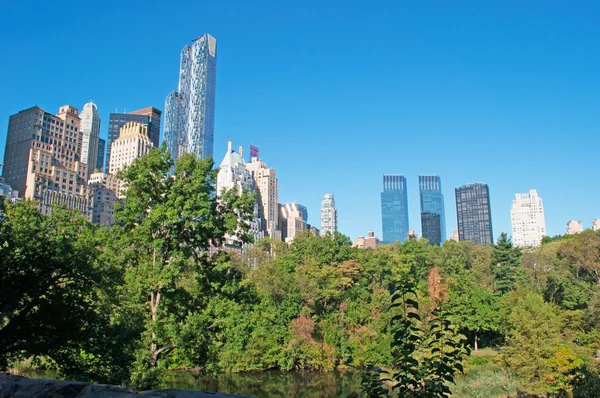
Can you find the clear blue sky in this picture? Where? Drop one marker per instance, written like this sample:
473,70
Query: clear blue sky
336,94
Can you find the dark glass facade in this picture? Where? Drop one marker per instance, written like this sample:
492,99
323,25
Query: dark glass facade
101,149
432,201
149,117
394,209
430,227
474,213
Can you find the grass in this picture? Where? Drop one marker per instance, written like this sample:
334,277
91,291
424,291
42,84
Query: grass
486,381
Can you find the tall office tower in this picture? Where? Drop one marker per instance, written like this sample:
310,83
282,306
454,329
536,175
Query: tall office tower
291,221
90,130
106,190
149,117
329,215
233,174
574,227
433,215
190,111
596,224
394,209
42,159
101,151
133,143
265,185
527,219
474,213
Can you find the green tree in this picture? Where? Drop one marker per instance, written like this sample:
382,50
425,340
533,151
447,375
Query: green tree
506,261
174,222
474,309
50,293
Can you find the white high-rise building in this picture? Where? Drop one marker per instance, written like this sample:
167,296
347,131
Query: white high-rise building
329,220
527,219
596,224
574,227
133,143
90,130
265,184
233,174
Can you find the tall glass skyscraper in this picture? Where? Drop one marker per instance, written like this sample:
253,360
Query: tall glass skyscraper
190,111
433,215
474,213
394,209
101,149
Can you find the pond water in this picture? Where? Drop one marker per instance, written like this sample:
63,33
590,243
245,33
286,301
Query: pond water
271,383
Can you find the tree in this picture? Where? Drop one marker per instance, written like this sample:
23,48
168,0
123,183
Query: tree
426,356
506,260
473,308
174,222
49,296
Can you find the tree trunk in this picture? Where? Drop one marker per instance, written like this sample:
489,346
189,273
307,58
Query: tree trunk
476,347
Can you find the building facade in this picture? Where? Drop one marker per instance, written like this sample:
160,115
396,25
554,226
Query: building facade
527,219
432,205
291,221
394,209
190,111
431,227
474,213
149,117
329,215
596,224
105,188
454,235
574,227
101,151
370,242
266,188
133,143
42,159
90,130
233,174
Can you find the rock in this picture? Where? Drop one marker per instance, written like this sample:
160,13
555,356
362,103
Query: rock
23,387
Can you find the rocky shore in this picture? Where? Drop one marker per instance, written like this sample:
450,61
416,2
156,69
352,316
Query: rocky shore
22,387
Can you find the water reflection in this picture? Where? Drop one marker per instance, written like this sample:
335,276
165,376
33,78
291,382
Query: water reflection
270,383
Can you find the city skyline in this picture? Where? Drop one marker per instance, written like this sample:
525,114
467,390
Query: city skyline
456,95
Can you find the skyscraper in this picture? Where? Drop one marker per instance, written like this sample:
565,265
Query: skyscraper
233,174
190,111
329,215
474,214
265,184
90,130
527,219
433,215
394,209
101,151
149,117
42,159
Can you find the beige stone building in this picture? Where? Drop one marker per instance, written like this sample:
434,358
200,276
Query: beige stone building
265,184
574,227
133,143
370,242
105,188
43,159
291,221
